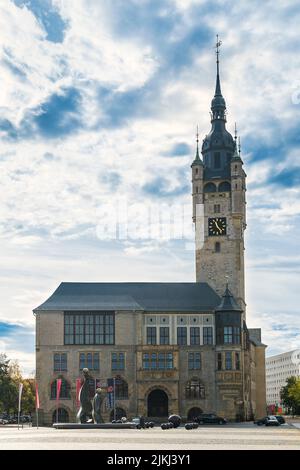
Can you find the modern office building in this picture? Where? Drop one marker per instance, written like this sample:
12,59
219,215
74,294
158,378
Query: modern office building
278,369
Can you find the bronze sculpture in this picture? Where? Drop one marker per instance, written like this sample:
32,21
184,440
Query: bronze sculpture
97,403
84,414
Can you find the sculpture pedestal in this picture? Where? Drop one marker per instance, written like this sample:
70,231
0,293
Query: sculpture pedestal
94,426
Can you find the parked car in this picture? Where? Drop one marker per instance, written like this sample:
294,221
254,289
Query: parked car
280,419
272,421
261,421
210,418
3,421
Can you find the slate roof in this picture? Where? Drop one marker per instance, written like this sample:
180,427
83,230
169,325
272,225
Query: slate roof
228,303
142,296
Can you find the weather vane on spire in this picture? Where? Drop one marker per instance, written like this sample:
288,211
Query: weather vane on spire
217,47
235,132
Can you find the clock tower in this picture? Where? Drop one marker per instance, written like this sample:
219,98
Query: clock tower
218,189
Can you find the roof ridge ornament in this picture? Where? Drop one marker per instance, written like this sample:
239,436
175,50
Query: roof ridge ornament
197,158
217,47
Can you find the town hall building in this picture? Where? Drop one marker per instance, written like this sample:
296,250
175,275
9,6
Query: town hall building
179,348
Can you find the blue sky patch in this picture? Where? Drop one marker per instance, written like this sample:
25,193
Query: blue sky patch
60,114
48,16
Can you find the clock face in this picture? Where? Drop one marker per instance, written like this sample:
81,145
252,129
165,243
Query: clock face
217,226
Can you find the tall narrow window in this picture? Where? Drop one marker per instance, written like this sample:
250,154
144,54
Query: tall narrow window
117,361
217,208
65,390
236,335
220,362
181,335
217,247
89,360
195,335
228,335
237,361
151,335
164,335
60,362
194,361
207,335
228,360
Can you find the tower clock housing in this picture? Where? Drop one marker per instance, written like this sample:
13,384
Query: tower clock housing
218,187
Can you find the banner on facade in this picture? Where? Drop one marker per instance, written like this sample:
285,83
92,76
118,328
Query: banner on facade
58,388
37,398
78,387
110,392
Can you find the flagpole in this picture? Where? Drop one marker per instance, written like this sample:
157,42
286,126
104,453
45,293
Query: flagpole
114,399
19,405
37,404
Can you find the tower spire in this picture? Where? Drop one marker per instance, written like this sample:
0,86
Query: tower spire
218,105
218,84
197,141
197,160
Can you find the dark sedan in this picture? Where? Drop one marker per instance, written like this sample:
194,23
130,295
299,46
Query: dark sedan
210,418
280,419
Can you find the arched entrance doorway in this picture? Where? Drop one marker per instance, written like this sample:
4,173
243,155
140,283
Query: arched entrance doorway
120,413
158,404
193,413
60,416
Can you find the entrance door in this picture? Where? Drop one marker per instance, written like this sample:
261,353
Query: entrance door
158,404
194,413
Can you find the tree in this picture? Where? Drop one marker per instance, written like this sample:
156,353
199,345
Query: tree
28,396
10,379
8,388
290,395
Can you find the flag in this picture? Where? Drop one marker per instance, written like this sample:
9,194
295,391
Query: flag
110,392
37,398
58,387
20,395
78,387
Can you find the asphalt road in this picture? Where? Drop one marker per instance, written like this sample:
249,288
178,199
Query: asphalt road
232,436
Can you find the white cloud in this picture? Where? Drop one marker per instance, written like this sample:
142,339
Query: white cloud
49,205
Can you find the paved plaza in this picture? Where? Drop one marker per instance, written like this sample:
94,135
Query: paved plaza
231,437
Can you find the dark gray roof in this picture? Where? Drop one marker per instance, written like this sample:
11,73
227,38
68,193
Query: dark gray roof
228,303
144,296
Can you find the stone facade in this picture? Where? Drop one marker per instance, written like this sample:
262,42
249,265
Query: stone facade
185,350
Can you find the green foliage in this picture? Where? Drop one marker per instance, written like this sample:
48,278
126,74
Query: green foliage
8,388
10,379
290,395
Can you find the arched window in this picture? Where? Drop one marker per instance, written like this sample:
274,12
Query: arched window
60,416
65,390
121,389
194,389
196,171
224,186
194,413
210,188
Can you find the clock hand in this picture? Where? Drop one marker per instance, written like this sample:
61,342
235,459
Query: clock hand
216,223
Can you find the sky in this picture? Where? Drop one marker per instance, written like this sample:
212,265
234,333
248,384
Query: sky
99,103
